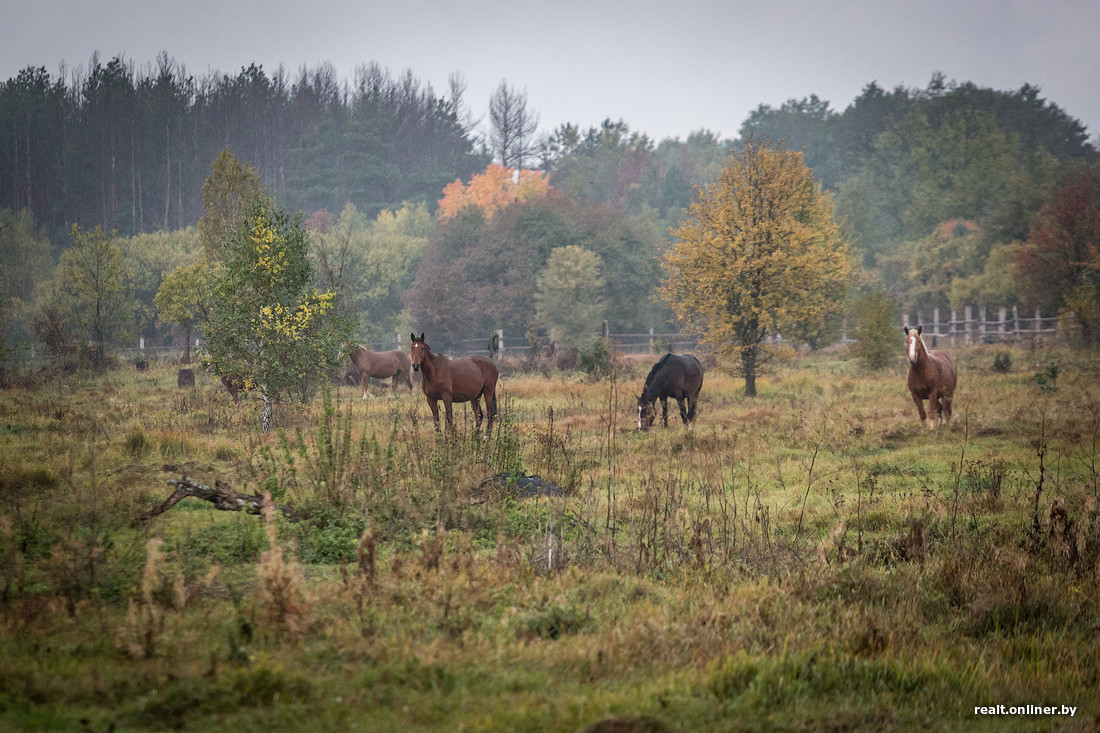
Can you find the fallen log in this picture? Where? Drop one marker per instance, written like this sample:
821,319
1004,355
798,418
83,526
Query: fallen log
222,496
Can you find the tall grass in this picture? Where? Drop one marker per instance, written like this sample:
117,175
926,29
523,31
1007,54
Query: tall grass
812,558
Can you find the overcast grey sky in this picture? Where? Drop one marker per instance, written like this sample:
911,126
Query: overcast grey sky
665,67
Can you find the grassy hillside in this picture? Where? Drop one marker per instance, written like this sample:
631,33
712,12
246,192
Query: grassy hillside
812,559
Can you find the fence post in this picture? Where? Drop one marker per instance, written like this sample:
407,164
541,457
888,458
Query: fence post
954,325
1015,322
141,345
651,339
1038,326
981,324
1001,315
967,311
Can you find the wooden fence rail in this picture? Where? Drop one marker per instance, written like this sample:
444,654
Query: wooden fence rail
1007,327
974,327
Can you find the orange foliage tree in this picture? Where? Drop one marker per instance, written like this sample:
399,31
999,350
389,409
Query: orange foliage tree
492,191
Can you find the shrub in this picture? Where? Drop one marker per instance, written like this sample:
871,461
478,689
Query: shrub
595,359
1002,362
876,330
1048,378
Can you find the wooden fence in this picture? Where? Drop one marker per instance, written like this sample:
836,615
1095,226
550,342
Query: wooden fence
974,327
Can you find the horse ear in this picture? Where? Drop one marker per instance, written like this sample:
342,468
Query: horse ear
413,335
906,329
421,335
919,329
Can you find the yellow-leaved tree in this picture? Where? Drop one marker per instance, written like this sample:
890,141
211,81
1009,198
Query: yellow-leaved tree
759,255
492,191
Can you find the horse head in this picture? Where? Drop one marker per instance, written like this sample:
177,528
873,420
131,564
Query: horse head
419,349
914,344
646,413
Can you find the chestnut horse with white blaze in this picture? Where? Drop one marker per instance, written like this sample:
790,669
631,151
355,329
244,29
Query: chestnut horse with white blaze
455,380
393,365
932,377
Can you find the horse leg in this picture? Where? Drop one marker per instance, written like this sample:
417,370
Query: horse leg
475,403
947,398
934,411
683,409
664,410
450,416
491,408
364,380
692,402
435,412
393,384
920,409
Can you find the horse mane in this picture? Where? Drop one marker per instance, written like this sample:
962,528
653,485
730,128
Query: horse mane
656,367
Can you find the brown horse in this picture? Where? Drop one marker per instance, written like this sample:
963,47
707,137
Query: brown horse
455,380
932,377
393,365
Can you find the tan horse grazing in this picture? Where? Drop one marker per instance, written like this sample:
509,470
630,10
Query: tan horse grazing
393,365
932,377
455,380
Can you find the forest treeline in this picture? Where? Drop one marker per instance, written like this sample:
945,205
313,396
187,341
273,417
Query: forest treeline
939,189
129,149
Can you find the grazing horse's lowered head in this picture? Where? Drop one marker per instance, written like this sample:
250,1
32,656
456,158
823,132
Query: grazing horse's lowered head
932,376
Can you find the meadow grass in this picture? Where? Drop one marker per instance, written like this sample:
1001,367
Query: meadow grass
809,559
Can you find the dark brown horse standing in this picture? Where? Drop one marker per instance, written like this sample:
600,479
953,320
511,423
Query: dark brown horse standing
393,365
455,380
932,377
679,376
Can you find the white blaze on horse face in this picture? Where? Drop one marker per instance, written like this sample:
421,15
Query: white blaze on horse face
639,417
912,338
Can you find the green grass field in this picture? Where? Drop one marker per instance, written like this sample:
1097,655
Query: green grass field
811,559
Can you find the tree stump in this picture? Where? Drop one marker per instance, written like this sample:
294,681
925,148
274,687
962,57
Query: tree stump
186,378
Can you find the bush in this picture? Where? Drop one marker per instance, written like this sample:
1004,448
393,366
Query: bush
1048,378
1002,362
595,359
876,330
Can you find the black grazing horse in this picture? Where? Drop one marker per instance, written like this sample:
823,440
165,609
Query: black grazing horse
676,375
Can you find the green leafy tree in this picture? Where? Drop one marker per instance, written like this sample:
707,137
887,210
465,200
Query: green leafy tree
226,197
760,254
569,298
269,326
476,275
370,264
181,300
27,265
151,256
876,330
94,291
